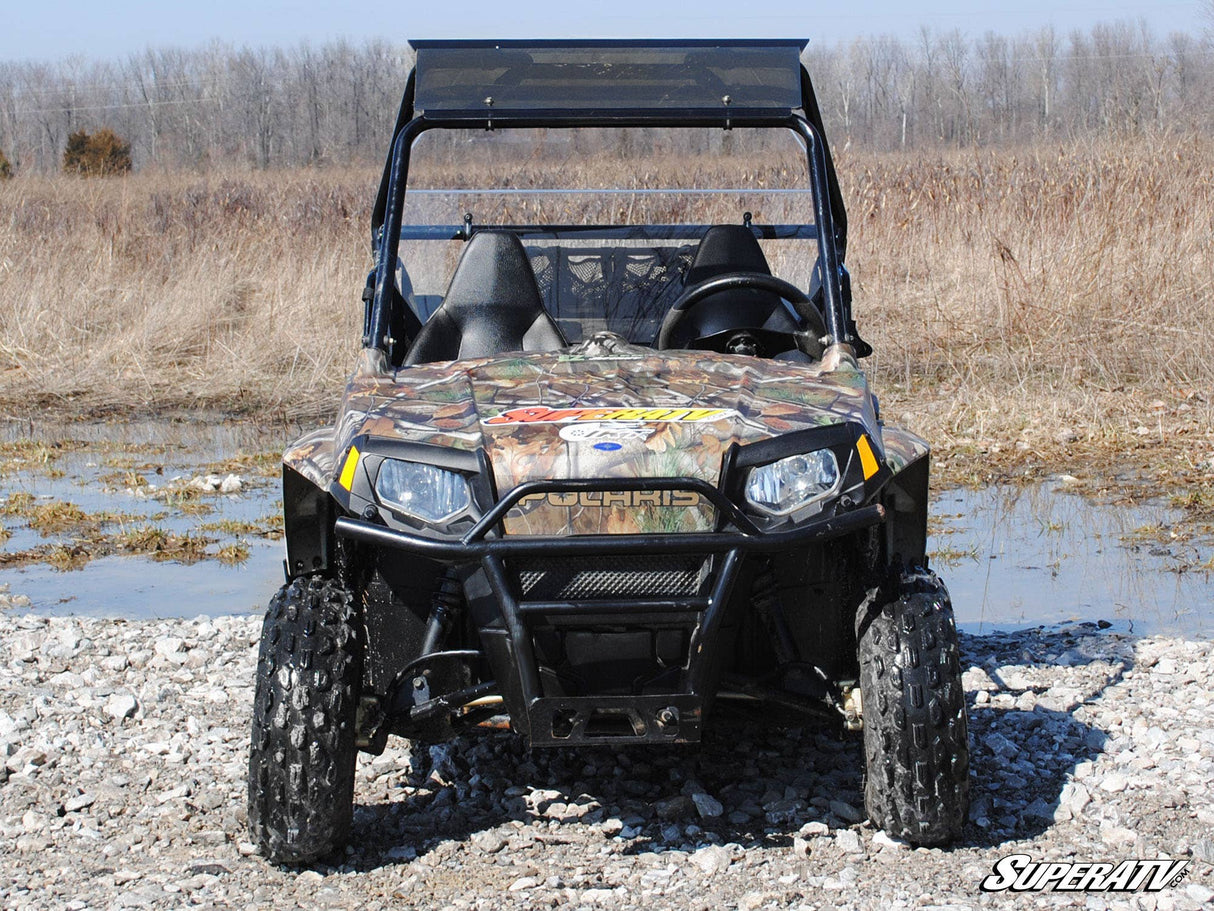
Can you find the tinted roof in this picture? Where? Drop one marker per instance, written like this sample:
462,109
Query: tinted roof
501,78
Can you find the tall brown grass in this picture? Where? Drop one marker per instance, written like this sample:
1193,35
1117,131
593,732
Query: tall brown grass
1018,301
1042,297
176,291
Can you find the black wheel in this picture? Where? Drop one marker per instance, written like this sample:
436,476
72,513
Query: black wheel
301,760
916,743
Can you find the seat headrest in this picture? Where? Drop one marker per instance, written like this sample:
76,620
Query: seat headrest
494,268
727,248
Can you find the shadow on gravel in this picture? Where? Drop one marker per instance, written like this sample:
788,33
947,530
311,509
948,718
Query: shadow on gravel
768,773
1025,740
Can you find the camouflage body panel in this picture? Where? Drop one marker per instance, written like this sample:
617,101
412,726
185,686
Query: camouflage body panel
902,448
601,409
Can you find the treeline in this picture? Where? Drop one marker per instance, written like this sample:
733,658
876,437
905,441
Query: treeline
954,91
195,109
201,108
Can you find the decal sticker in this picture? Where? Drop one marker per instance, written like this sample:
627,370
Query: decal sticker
607,446
541,414
576,433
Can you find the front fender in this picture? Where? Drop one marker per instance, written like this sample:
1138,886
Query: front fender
906,496
308,513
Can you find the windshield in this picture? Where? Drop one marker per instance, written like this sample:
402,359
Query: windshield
611,219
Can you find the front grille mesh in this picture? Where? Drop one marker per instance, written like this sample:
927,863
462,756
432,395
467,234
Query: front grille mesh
617,577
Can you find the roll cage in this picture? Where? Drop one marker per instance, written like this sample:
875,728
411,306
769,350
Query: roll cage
609,83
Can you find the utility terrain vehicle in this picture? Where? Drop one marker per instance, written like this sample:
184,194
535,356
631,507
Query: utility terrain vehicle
607,456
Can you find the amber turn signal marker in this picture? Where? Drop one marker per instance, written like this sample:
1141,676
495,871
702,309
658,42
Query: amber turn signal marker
347,471
868,461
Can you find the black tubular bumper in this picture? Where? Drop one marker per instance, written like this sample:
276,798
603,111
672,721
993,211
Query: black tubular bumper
466,551
561,720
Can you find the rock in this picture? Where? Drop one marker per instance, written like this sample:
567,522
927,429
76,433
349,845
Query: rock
611,827
846,811
599,896
1114,783
25,759
523,882
712,859
676,808
1011,677
231,484
206,483
170,645
707,806
489,842
1000,745
884,840
814,829
1040,809
78,803
121,706
1074,797
1118,836
752,901
779,812
977,679
1199,893
849,842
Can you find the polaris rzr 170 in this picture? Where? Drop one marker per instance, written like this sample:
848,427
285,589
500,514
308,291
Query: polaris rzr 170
607,455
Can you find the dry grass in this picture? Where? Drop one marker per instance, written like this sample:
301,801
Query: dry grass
240,292
1047,307
1043,308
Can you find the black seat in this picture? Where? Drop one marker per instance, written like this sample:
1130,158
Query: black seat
724,249
492,305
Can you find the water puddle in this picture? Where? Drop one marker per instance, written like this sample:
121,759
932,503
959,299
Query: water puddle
140,545
137,587
155,519
1018,557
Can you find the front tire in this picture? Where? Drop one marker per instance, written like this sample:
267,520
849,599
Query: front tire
916,742
302,755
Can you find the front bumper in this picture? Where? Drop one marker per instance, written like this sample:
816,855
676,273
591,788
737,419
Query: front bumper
674,712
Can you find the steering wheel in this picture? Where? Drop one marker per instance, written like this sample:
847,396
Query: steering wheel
807,340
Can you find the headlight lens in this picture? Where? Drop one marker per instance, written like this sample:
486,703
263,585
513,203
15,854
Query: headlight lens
783,487
422,491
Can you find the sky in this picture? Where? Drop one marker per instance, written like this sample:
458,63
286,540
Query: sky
53,29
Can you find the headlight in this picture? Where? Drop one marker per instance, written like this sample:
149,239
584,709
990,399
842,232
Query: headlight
790,484
422,491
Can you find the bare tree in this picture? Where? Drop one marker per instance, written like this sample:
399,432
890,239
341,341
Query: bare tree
336,102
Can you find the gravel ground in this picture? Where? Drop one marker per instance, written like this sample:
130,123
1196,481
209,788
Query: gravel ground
123,785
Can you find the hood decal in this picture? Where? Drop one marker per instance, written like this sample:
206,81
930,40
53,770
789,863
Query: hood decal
542,414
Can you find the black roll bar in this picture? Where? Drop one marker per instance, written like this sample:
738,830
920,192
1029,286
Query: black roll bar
377,319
